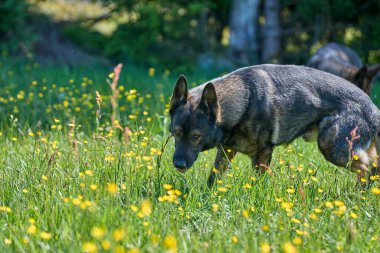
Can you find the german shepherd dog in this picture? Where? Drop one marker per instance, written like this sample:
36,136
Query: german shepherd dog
254,109
342,61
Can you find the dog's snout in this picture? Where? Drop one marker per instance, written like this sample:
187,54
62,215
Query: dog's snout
179,163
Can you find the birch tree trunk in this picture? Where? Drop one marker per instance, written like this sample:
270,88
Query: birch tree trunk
271,31
243,30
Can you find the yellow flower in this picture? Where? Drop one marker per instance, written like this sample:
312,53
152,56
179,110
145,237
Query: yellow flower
106,245
291,191
222,189
93,187
32,229
89,172
119,249
295,220
97,232
45,178
118,234
45,235
146,208
134,208
338,203
151,71
234,239
133,250
265,228
375,190
286,205
112,188
215,208
7,241
245,213
265,247
170,244
89,247
168,186
110,158
297,241
353,215
289,248
329,205
355,157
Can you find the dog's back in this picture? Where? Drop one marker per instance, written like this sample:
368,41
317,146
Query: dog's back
338,60
286,99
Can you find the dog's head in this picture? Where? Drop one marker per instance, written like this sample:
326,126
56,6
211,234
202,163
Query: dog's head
193,123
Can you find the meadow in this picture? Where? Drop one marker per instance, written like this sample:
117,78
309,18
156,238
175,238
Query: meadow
83,169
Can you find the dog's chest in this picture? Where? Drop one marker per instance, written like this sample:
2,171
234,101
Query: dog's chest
242,139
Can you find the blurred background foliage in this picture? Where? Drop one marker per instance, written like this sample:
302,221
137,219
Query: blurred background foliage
184,35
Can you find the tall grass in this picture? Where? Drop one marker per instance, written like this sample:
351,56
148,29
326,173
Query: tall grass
98,194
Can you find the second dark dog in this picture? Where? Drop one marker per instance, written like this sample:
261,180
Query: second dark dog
342,61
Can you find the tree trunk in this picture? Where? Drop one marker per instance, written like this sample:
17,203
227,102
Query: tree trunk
271,31
243,30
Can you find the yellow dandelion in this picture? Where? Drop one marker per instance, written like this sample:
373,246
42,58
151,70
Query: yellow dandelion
215,208
170,244
45,235
133,250
289,248
89,172
222,189
291,191
112,188
297,241
329,205
375,190
118,234
89,247
295,220
134,208
7,241
353,215
265,228
93,187
97,232
265,247
151,71
32,229
234,239
106,245
109,158
146,208
168,186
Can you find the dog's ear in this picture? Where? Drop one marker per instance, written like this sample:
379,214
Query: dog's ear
179,92
373,70
361,74
209,101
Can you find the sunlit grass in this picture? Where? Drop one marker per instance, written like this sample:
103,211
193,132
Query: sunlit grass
79,185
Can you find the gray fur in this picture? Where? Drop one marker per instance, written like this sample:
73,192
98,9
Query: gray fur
263,106
342,61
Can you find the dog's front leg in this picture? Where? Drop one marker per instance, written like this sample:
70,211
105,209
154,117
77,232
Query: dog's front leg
261,160
222,162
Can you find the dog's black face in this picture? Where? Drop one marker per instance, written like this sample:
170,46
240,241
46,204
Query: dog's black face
194,126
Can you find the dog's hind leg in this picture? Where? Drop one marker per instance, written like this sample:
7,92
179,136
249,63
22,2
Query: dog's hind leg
334,138
222,163
261,160
365,165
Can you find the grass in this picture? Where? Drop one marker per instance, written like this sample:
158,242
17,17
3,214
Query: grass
72,187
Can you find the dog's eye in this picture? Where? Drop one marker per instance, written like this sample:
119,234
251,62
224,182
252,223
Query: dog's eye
177,133
195,137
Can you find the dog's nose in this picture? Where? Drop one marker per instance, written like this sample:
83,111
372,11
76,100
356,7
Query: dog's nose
179,164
